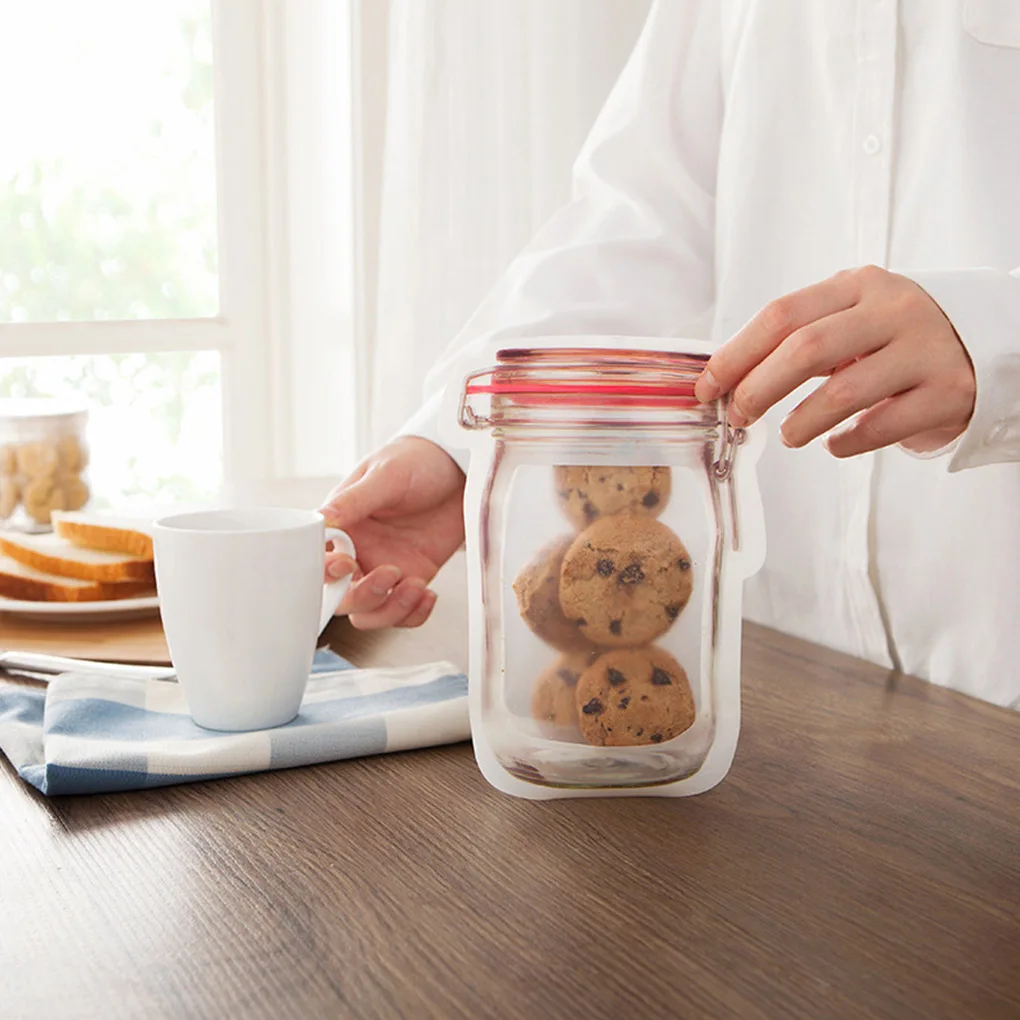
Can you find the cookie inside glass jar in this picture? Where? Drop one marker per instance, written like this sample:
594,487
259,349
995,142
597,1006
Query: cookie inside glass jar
537,588
43,459
634,696
554,695
625,580
587,493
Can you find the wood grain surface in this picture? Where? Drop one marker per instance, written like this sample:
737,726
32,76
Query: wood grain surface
137,640
862,860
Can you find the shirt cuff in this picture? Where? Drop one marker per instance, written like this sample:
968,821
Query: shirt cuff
942,451
984,307
424,424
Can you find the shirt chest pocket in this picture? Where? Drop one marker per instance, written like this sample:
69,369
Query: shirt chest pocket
994,22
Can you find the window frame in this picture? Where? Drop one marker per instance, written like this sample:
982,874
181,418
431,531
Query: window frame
264,362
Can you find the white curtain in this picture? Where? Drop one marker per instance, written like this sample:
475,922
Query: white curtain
486,104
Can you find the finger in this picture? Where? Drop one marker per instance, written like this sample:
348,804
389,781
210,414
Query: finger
371,591
340,565
402,601
418,616
355,500
769,328
813,350
918,410
863,384
355,575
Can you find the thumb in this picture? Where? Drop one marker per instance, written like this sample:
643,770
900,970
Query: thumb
353,501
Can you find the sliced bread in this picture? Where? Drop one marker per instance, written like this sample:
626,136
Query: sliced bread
20,581
110,534
53,555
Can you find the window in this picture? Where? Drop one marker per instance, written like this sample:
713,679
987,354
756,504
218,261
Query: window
176,235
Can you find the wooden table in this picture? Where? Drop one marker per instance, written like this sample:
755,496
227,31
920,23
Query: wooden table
861,860
136,640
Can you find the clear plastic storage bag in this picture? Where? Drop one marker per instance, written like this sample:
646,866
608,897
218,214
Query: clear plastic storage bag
612,520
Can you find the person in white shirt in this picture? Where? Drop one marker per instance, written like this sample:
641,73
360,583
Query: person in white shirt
830,192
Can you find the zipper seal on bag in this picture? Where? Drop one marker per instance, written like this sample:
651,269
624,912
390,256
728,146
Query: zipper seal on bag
722,469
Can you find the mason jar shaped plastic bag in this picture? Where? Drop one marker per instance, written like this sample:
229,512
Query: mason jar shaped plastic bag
611,523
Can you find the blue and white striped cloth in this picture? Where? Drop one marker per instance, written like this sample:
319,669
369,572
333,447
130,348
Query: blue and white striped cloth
96,734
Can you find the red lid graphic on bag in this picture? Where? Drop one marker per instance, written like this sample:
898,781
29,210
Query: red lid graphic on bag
575,377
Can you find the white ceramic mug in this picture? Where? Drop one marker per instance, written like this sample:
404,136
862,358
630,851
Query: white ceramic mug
242,599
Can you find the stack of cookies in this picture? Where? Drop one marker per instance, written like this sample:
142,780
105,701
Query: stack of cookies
43,476
601,596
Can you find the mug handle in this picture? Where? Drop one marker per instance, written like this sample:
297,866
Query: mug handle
333,592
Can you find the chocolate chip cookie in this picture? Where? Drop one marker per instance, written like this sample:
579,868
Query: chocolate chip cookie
588,493
625,580
553,699
634,696
538,598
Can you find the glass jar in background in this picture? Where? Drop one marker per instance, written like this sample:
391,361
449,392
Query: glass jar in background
43,461
612,520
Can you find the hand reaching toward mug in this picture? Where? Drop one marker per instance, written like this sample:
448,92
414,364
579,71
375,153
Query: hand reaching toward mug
890,354
404,509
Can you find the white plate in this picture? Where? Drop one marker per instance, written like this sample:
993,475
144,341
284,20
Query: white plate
112,609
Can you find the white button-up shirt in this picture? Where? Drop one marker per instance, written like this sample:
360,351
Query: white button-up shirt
752,147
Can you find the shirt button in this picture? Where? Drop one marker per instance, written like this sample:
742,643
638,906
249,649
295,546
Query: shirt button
872,144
